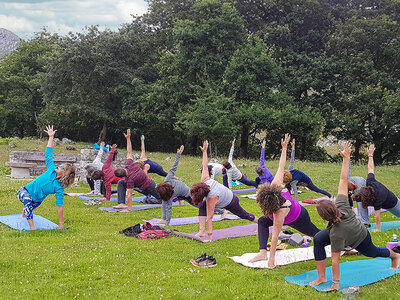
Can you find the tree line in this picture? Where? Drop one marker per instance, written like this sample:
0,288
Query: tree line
217,69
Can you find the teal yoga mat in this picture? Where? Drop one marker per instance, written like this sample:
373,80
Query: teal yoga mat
17,222
386,225
352,273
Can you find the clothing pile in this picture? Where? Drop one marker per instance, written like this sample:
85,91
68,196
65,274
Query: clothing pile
93,202
147,231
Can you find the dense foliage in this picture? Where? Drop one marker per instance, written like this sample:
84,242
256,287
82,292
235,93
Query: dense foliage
218,69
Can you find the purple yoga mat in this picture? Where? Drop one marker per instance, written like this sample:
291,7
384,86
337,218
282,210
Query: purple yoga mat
371,210
252,190
193,220
136,207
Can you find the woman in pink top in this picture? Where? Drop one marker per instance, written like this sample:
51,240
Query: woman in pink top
279,209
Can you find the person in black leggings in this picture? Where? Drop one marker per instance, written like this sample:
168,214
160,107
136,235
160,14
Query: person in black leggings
343,230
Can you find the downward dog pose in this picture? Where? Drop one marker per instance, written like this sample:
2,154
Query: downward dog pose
376,194
279,208
217,196
264,175
135,177
153,166
172,189
107,175
355,183
343,230
233,173
95,165
293,177
53,181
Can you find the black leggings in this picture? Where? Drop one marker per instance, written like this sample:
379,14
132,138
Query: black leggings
90,181
367,248
302,223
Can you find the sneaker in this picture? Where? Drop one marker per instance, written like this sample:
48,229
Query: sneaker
196,260
204,261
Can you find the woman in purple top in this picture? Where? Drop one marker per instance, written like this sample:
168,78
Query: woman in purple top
264,175
279,209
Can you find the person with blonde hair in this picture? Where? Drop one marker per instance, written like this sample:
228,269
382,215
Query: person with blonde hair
344,230
53,181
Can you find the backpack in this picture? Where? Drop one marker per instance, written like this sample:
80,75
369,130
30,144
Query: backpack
153,232
134,230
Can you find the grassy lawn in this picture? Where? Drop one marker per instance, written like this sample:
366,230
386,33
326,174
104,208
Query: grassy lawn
92,260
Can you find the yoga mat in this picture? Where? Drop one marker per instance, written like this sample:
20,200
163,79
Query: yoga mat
17,222
386,225
282,257
136,207
76,194
235,183
192,220
352,273
371,210
134,199
251,196
252,190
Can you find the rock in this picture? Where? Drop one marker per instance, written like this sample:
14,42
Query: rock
136,157
214,160
11,144
151,154
15,138
242,165
67,141
71,148
168,158
56,141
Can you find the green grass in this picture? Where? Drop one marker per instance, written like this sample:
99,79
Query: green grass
92,260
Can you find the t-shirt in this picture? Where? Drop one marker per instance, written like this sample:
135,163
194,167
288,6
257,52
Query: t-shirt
384,198
217,189
350,231
136,176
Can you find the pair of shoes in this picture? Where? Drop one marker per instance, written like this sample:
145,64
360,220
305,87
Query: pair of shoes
367,225
204,261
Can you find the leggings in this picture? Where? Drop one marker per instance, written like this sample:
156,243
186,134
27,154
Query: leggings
302,223
90,181
234,207
150,191
26,200
155,168
367,248
242,180
316,189
103,190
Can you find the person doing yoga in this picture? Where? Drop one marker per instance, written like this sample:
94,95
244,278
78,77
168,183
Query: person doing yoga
292,177
233,173
217,196
53,181
343,230
279,208
376,194
135,177
264,174
172,189
153,166
90,168
107,175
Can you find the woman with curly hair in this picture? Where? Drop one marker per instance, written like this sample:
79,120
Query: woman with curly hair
343,230
279,209
376,194
217,196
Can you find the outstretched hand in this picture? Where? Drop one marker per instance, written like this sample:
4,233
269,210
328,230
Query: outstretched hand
285,141
263,144
114,146
205,146
371,150
102,144
180,150
127,134
293,144
233,142
50,130
346,150
142,138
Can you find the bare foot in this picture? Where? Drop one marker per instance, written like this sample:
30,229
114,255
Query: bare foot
200,234
120,206
124,211
224,214
259,257
395,260
318,281
33,228
181,202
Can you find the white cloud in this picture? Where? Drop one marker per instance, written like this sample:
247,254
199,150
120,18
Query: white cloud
16,24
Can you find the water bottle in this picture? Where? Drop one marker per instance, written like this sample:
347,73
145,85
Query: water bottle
394,239
393,243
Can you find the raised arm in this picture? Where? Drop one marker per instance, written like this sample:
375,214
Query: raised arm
345,153
49,153
371,166
171,172
262,156
282,162
99,155
128,144
110,157
142,149
350,167
292,155
204,172
230,158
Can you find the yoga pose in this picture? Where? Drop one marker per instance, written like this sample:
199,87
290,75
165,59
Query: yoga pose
90,168
107,175
217,196
293,177
279,208
153,166
216,169
343,230
53,181
264,175
233,173
135,177
172,189
376,194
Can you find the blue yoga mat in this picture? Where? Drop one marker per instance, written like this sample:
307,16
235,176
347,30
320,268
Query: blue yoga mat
251,190
17,222
136,207
134,199
386,225
357,272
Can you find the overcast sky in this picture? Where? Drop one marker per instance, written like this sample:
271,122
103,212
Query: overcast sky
26,17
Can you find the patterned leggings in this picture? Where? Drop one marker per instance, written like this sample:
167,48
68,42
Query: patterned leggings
26,200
